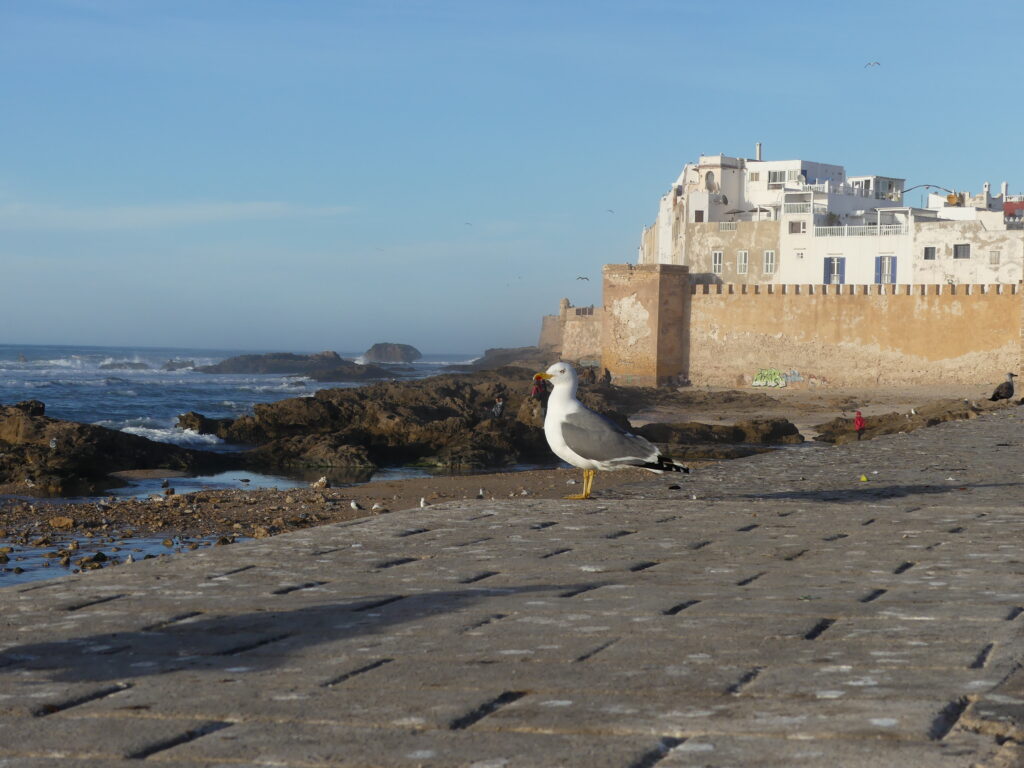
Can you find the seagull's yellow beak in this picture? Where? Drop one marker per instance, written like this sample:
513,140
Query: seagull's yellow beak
539,376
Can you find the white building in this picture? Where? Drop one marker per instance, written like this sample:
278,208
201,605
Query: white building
795,221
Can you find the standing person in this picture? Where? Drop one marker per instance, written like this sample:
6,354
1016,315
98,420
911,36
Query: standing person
859,425
540,393
499,407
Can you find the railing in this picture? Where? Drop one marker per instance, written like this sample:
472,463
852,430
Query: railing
796,208
726,226
870,230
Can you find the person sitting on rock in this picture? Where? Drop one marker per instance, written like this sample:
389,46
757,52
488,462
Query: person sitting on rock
499,407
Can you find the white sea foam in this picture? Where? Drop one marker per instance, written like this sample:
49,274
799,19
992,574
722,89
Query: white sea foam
185,437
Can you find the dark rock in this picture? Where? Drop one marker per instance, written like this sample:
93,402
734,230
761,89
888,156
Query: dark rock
31,407
841,430
274,362
84,455
203,425
178,365
124,365
760,431
346,370
387,352
533,358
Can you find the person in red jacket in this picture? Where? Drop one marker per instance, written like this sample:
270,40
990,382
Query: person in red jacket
859,425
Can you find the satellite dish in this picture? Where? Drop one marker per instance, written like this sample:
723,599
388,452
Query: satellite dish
725,200
802,179
952,199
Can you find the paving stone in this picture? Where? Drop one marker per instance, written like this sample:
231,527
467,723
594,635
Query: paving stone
790,615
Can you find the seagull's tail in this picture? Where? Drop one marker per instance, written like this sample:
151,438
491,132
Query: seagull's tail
664,464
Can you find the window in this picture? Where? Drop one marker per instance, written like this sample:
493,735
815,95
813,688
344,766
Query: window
885,269
835,270
962,251
742,259
994,257
716,262
797,227
776,179
755,175
929,253
769,262
698,216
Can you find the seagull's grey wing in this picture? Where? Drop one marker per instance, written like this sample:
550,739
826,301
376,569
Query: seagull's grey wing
594,437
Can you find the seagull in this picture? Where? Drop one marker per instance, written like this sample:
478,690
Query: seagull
423,502
609,210
480,493
355,504
587,439
1005,390
873,64
581,277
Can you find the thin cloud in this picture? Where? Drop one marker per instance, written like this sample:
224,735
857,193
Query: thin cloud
128,217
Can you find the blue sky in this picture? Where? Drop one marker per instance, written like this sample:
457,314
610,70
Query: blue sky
313,174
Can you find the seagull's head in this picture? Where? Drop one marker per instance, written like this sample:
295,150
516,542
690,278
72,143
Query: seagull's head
559,374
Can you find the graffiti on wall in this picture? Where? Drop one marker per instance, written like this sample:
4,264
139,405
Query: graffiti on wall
769,377
773,377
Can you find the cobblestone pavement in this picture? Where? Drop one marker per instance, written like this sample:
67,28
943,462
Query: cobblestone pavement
771,611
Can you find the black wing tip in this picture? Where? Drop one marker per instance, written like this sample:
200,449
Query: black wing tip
665,464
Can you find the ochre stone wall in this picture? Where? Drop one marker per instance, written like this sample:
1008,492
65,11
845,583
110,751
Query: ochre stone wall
854,335
642,338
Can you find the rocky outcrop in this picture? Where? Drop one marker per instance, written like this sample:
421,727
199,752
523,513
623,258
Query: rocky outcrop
387,352
764,431
492,359
40,455
444,421
346,370
841,430
123,365
204,425
178,365
274,362
323,366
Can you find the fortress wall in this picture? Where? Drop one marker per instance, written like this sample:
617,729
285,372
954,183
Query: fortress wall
863,335
581,335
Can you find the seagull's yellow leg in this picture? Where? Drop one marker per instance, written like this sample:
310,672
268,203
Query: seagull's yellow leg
586,486
588,482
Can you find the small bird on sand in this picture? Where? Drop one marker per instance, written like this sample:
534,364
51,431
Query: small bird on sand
355,504
480,493
1005,390
587,439
423,502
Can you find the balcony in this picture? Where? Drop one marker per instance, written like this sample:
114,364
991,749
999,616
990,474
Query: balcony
870,230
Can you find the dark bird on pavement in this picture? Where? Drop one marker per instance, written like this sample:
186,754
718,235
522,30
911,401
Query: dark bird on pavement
1005,390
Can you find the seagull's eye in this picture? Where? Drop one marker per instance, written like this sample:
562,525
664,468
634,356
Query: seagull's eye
562,371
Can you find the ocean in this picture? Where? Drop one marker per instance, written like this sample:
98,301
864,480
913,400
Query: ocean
127,388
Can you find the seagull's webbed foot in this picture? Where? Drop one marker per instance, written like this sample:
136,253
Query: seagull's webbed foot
588,484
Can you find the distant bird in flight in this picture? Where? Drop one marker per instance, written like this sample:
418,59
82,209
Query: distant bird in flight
581,277
873,64
609,210
469,223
